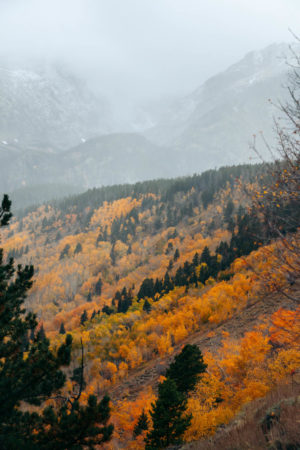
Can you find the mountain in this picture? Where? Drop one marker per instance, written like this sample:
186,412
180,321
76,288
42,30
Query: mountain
189,282
137,272
215,124
105,160
116,158
47,108
54,130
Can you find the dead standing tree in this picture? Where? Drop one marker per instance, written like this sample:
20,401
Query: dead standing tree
278,202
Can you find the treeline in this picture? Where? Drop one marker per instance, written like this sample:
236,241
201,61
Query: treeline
208,183
175,200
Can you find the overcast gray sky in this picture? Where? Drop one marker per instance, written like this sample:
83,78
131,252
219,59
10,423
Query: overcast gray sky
137,47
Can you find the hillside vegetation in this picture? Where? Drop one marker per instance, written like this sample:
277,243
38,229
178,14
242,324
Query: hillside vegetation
171,309
137,271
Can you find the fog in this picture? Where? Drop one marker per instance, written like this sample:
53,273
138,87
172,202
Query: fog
135,50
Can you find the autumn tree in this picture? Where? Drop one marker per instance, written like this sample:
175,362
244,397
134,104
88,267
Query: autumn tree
33,377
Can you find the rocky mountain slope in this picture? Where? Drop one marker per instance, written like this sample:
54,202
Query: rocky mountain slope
53,130
215,124
47,108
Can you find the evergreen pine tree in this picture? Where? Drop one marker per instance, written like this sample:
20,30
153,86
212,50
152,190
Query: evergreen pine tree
31,336
194,279
196,260
179,277
41,333
98,287
168,284
5,213
205,257
158,287
62,329
113,255
186,368
78,248
170,265
107,310
36,378
147,307
83,318
25,342
168,417
228,210
146,289
204,274
120,307
65,251
141,425
176,255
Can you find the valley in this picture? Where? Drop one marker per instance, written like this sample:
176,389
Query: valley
149,228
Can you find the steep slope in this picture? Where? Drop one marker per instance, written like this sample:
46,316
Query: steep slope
214,125
46,112
208,339
134,272
47,108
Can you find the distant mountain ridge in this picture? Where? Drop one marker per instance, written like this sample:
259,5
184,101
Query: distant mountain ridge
105,160
214,125
117,158
54,130
49,109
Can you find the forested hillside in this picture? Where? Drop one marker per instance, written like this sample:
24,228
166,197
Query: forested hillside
161,314
135,272
90,246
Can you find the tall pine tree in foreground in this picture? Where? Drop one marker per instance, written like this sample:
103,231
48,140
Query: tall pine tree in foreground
168,417
186,368
169,421
36,376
